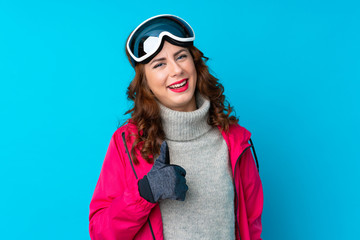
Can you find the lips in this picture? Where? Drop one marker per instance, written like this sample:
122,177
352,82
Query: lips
179,86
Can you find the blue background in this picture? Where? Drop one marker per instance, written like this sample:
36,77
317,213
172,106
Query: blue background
290,68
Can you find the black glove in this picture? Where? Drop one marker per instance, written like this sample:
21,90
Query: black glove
164,180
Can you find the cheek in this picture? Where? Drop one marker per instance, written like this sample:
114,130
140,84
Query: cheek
193,71
155,81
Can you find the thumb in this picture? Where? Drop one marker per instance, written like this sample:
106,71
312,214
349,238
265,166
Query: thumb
164,156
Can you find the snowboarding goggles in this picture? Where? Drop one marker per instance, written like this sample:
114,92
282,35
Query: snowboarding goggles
147,39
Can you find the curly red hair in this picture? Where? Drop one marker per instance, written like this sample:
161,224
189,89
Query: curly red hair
145,112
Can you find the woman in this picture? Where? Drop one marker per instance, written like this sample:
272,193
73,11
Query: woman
181,168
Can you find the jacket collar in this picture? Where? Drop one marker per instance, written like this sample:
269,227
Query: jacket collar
237,140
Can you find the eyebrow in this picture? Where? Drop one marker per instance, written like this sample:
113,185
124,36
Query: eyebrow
161,59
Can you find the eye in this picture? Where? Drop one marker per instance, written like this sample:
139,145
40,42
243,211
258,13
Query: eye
158,65
182,56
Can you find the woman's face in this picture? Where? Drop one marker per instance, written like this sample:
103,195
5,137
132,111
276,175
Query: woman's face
171,76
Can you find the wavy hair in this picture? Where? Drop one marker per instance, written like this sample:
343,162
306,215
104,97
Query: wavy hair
145,113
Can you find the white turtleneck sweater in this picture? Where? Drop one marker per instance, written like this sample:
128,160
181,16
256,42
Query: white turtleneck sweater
208,209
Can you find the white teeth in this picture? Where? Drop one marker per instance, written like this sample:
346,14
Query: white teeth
179,85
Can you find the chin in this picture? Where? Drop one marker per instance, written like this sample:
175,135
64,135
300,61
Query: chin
185,104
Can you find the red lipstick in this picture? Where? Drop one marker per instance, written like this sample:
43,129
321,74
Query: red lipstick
179,86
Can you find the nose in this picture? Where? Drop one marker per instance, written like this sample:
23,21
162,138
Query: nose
175,69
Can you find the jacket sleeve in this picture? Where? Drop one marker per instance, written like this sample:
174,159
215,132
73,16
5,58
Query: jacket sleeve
253,193
117,211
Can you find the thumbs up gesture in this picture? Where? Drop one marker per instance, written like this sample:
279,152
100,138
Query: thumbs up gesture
164,180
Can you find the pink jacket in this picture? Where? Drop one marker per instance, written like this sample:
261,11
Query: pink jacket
117,211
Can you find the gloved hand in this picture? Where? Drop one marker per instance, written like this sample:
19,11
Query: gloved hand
164,180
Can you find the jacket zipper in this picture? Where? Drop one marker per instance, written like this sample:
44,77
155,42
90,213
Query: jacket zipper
256,160
127,151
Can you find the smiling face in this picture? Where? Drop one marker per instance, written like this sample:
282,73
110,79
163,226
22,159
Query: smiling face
171,76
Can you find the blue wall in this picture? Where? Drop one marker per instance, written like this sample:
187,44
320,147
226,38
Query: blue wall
290,68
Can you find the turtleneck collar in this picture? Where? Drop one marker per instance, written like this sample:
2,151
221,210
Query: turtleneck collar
184,126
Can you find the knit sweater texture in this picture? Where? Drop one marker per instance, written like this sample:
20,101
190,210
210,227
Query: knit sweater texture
208,209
